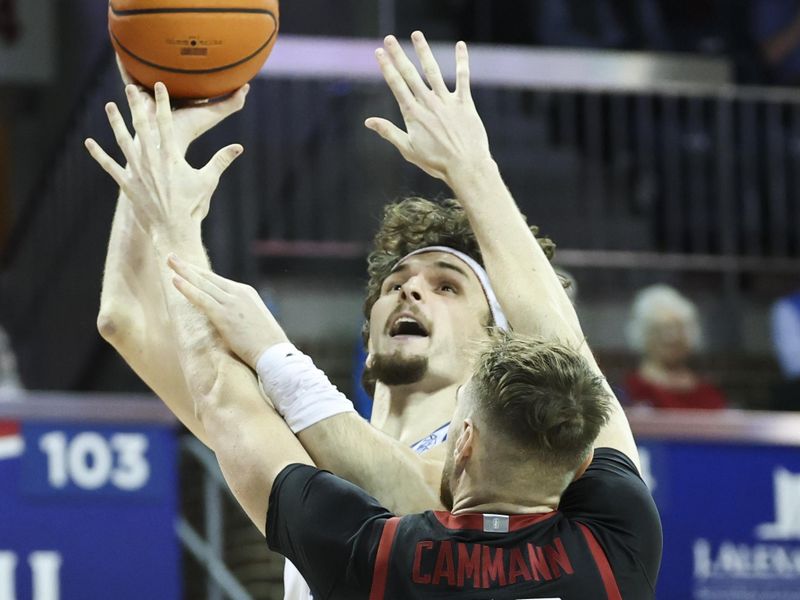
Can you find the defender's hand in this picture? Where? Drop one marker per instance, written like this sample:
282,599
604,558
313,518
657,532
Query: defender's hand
444,133
235,309
166,192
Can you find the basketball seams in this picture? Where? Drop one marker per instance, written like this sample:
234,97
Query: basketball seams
198,48
195,71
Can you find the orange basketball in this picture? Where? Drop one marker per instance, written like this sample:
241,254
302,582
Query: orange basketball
198,48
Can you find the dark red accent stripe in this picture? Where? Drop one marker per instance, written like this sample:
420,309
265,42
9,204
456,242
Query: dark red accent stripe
475,521
381,570
606,574
9,428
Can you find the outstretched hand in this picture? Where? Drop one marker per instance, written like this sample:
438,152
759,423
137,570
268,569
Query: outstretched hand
444,132
164,189
235,309
191,121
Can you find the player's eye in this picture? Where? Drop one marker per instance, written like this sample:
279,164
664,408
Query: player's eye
447,287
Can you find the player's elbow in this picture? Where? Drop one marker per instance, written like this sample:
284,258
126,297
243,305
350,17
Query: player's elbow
111,325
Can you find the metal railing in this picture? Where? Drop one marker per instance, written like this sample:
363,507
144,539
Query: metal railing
715,173
208,550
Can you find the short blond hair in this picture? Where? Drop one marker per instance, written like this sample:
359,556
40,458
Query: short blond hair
541,396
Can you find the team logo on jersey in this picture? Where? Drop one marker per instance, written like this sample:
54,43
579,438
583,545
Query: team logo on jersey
495,523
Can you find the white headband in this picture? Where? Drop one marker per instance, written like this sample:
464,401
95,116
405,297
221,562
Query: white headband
498,316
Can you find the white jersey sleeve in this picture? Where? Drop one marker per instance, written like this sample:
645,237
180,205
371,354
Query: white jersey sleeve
294,586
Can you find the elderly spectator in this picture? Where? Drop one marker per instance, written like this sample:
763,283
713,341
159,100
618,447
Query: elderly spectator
665,330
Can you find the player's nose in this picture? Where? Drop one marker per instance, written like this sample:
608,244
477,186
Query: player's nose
412,289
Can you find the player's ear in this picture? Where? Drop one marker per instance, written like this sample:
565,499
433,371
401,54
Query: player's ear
465,443
368,349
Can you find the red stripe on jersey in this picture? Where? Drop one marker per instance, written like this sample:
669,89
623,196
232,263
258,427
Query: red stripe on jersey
381,569
606,574
9,428
475,521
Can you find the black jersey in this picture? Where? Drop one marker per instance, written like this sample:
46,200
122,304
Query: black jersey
604,541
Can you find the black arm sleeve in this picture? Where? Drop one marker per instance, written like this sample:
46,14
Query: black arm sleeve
613,501
329,529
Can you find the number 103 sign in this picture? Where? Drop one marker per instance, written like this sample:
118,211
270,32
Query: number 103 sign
88,511
91,461
94,463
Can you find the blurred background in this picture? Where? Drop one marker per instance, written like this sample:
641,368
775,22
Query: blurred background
662,155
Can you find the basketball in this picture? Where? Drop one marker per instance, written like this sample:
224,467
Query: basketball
198,48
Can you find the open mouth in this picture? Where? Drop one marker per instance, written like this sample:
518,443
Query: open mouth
405,325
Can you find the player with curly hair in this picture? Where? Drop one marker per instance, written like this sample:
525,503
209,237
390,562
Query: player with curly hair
435,304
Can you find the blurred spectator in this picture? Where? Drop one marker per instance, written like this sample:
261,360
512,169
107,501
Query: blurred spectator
665,330
698,26
617,24
786,340
9,379
786,334
776,29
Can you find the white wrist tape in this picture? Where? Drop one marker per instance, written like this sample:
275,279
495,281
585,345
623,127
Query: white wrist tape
300,392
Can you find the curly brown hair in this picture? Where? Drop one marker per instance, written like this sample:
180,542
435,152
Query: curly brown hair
413,223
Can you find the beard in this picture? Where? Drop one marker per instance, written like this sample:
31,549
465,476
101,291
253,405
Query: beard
396,369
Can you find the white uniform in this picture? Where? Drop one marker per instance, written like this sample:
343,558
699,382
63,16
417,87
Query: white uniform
294,586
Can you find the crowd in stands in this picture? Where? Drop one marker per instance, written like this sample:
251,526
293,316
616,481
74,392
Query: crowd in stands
664,333
760,37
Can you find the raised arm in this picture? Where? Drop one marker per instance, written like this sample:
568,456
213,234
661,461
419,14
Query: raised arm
250,440
446,138
335,437
133,315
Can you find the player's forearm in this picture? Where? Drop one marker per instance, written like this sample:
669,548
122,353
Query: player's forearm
351,448
525,283
200,349
250,440
338,439
133,316
128,261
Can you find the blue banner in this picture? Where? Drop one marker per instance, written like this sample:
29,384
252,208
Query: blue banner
88,512
731,518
